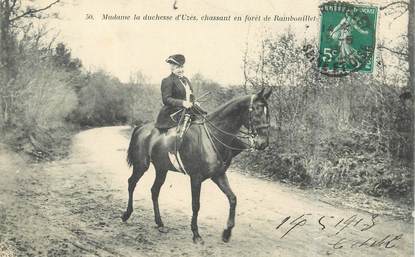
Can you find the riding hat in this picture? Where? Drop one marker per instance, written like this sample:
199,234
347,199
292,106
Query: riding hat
176,59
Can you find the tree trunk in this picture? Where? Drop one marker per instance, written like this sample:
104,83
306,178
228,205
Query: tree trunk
411,57
411,44
7,42
7,63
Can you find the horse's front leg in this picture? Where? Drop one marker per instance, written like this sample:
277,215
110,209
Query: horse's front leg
223,184
196,185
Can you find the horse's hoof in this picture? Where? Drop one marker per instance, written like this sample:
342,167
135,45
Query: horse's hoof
125,216
198,240
163,229
226,235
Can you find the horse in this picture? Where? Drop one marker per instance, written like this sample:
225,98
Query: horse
206,152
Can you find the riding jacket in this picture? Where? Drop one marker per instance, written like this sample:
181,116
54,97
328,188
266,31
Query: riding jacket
173,93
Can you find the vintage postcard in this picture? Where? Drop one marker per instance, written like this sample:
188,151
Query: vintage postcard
207,128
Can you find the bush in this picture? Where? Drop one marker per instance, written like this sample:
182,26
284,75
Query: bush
348,161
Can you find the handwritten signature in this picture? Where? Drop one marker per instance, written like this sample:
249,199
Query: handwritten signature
339,225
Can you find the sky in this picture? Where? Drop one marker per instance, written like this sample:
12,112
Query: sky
214,49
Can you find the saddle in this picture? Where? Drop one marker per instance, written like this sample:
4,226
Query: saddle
185,121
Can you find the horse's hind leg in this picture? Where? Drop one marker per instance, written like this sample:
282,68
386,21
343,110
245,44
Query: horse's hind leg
132,182
155,191
223,184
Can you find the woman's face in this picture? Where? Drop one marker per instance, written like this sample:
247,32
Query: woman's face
177,69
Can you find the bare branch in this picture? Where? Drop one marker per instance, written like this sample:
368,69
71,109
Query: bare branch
245,64
33,11
394,3
52,41
393,51
13,4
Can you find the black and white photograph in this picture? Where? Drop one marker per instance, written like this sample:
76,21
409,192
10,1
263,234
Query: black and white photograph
268,128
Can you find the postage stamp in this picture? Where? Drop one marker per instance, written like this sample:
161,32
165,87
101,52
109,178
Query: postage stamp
347,38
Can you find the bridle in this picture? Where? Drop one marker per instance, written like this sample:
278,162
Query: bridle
250,135
253,129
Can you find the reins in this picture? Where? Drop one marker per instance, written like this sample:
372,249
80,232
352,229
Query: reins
250,135
210,135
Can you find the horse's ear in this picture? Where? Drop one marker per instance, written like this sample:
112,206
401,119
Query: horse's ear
268,94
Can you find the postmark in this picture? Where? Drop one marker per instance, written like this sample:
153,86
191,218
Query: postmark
347,38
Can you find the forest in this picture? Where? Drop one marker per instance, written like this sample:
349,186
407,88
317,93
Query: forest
353,133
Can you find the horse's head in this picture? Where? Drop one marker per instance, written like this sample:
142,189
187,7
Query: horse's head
257,119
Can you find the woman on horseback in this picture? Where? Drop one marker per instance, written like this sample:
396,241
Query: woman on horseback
177,95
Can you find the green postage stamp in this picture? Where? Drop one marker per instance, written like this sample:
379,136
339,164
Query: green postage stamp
347,38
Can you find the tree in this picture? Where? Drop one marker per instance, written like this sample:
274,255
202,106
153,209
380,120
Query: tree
399,8
218,94
411,45
142,100
62,58
12,12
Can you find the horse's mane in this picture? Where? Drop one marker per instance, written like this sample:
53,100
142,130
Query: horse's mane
229,107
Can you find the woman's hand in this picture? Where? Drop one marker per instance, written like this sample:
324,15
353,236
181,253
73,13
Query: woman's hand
187,104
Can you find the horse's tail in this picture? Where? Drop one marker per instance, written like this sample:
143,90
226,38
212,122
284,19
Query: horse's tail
132,147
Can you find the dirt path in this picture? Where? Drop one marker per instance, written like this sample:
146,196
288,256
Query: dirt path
73,208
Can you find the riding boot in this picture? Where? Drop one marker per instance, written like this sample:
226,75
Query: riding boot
181,131
179,141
